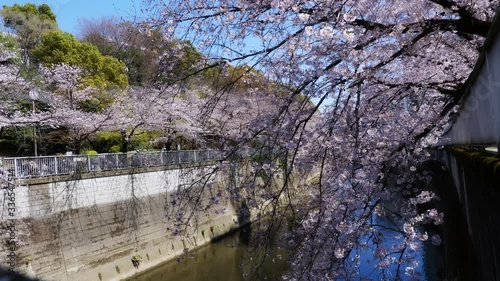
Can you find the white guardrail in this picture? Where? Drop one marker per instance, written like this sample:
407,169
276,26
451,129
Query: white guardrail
42,166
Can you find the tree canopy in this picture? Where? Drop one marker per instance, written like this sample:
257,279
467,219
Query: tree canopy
29,22
84,92
17,15
149,56
101,71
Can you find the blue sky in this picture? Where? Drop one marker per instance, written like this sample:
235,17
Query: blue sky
69,11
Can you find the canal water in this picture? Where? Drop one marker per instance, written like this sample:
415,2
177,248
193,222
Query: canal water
233,258
228,259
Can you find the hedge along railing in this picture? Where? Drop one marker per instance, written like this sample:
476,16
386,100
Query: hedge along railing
42,166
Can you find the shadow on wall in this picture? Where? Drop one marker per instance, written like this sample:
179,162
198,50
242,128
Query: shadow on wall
239,198
470,212
6,275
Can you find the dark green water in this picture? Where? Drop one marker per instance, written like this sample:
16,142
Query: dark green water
229,259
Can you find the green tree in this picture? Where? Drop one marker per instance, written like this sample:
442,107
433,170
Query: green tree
179,61
101,71
125,42
29,22
150,57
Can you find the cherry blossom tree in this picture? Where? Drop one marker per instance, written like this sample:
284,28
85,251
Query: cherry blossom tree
65,96
178,111
14,88
60,100
65,81
172,111
384,77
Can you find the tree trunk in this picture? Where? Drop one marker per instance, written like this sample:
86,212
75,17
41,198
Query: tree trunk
125,141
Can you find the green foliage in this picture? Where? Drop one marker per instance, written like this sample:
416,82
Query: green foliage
124,41
110,71
236,78
143,140
54,140
29,23
181,65
10,51
8,43
260,158
89,152
16,141
112,141
61,47
149,57
115,148
17,15
101,71
107,141
46,13
140,69
99,100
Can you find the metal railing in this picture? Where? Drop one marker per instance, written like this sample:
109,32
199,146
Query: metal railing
42,166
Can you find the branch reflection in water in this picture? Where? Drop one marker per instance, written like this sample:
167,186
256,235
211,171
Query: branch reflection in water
240,257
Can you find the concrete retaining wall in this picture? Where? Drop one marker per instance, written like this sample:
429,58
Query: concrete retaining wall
88,227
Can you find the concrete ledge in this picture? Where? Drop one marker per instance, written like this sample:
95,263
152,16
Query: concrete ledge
487,161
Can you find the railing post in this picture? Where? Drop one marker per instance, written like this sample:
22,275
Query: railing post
16,169
117,163
55,165
195,152
88,163
161,157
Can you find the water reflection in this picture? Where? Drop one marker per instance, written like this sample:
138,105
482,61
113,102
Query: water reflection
228,259
234,258
421,262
